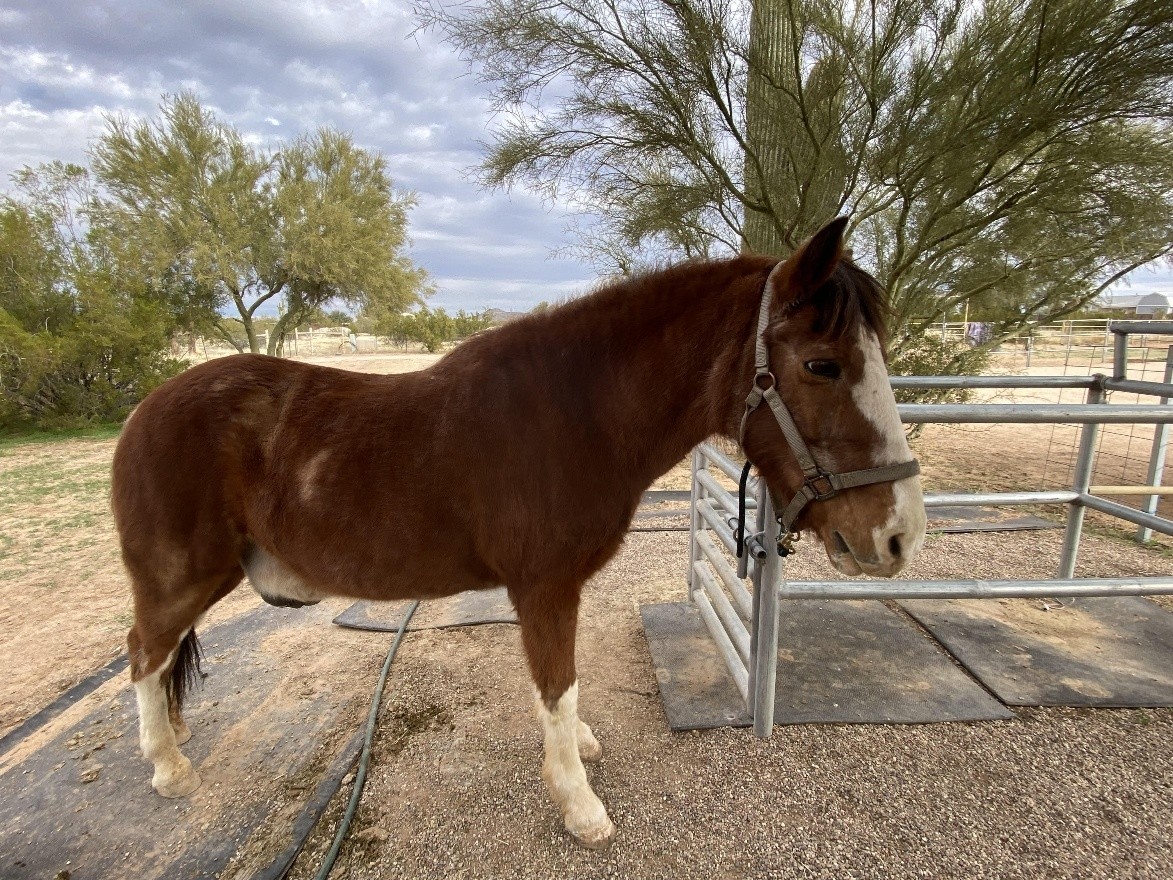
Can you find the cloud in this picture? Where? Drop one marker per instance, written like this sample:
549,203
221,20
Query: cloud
276,70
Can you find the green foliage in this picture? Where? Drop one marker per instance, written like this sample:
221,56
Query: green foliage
222,225
76,345
431,328
1013,155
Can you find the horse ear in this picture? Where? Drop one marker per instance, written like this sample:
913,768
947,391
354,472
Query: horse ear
817,257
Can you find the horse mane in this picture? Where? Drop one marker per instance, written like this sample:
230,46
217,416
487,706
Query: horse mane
628,302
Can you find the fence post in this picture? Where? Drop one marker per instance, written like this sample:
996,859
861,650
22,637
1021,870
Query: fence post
694,518
1084,466
1157,457
764,656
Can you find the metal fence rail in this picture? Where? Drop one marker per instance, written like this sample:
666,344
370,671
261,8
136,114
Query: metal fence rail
743,619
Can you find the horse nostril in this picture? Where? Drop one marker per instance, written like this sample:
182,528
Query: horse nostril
896,546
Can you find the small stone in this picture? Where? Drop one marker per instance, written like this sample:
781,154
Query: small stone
91,774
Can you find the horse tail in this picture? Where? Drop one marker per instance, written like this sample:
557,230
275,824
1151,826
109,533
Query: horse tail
186,672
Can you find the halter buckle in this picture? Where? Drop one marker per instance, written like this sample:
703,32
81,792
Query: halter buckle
764,374
816,483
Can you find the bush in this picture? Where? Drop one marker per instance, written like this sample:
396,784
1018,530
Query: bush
432,328
93,369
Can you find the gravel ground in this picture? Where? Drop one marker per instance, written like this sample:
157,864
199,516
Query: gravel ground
454,789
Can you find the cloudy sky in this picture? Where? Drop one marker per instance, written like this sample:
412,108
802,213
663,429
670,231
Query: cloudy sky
276,69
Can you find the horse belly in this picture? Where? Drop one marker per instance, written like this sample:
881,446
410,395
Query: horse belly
275,583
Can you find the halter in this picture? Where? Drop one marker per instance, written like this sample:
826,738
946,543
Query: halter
818,484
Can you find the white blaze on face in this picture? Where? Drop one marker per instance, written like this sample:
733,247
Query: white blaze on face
875,400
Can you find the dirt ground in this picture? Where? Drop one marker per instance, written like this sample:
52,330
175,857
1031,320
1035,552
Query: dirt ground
455,790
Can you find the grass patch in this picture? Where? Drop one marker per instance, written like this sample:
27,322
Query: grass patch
95,432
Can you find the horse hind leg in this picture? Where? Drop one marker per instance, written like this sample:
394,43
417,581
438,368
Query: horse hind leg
159,712
164,659
548,627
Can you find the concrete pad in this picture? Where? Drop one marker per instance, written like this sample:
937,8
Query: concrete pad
470,608
839,662
1111,652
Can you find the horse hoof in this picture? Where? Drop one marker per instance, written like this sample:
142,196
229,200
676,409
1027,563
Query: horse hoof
182,734
591,751
178,786
596,838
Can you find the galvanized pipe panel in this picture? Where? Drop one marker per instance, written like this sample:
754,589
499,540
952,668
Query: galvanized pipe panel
736,630
980,499
731,468
1136,386
1085,463
1024,413
991,381
975,589
727,499
715,521
1136,517
724,646
765,657
1151,328
736,586
1160,449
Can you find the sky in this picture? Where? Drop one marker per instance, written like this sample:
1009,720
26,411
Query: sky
278,69
275,70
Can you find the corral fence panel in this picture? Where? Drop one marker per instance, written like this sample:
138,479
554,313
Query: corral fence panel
738,599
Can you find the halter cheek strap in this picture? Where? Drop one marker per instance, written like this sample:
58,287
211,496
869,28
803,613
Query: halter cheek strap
818,484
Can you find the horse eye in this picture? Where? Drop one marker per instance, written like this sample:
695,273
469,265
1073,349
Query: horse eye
824,369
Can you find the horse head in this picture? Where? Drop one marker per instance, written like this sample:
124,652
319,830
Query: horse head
833,453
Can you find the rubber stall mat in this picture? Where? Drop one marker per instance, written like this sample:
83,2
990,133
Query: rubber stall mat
267,728
464,609
839,662
1110,652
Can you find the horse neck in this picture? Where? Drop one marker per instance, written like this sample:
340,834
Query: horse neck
672,359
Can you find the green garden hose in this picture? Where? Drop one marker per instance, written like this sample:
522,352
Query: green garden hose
365,758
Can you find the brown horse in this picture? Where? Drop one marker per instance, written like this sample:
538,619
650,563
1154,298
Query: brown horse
518,459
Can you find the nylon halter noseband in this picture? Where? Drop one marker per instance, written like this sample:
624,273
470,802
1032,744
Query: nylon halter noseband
818,484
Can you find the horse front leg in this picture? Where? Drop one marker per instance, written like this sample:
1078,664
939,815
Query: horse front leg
548,621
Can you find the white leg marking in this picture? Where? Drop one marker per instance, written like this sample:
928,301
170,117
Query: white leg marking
174,776
583,813
589,748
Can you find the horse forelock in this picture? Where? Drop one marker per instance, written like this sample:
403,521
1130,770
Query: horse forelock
849,299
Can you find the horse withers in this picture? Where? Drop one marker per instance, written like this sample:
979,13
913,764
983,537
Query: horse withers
517,459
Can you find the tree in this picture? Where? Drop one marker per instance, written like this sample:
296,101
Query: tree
1016,155
79,342
230,228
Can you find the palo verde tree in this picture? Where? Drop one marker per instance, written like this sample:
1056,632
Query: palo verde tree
79,341
228,227
1013,155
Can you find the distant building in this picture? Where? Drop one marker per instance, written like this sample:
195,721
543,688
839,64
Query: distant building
1141,305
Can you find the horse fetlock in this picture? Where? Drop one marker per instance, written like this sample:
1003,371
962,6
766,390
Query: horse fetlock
181,730
175,777
589,748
